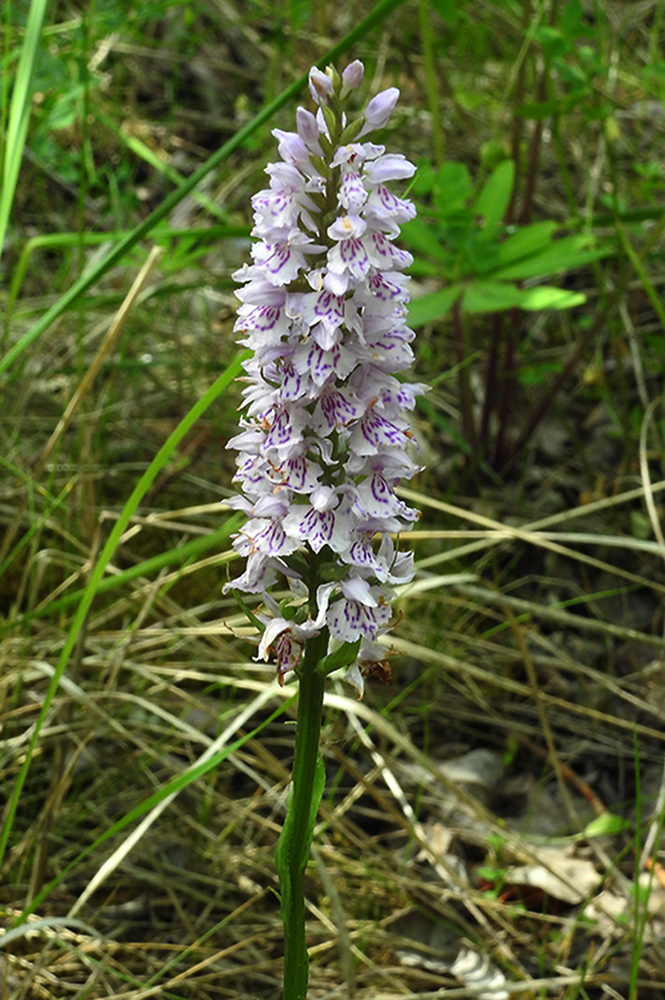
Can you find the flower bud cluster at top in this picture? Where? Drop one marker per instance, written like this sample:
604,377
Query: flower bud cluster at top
324,439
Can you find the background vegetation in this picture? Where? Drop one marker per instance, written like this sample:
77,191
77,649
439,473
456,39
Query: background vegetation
493,817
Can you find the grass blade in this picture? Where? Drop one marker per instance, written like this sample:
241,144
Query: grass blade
139,491
89,279
19,112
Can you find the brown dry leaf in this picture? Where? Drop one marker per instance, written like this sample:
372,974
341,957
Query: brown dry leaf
560,875
614,913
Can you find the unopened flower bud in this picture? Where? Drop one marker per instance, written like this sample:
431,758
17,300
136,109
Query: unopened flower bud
352,76
379,109
308,130
320,86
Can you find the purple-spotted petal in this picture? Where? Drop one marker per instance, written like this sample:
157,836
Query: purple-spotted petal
352,194
374,432
350,256
312,526
385,255
349,620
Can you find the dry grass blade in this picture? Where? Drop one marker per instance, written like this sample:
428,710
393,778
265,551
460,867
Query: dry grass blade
105,349
213,750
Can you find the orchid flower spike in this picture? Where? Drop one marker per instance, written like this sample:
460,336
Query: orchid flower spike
325,436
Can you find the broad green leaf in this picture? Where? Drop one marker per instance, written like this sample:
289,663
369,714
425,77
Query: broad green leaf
552,41
424,179
490,296
481,254
448,10
526,242
573,23
538,111
547,297
496,296
423,239
428,308
453,187
562,255
494,197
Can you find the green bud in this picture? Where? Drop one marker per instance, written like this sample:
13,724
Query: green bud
320,165
351,131
335,77
331,120
343,656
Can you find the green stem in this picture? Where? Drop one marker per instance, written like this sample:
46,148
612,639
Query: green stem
430,79
296,839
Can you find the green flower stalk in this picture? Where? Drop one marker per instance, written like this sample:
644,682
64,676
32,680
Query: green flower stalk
325,436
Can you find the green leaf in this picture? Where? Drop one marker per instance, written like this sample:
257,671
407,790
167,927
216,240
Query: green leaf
480,254
423,239
494,197
453,187
606,825
538,111
552,41
428,308
572,21
448,10
548,297
490,296
424,179
561,255
526,242
343,656
497,296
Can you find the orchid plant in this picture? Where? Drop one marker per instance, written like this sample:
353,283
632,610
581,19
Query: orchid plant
325,437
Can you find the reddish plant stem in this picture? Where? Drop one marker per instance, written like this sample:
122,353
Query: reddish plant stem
518,121
491,381
534,155
507,385
550,392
